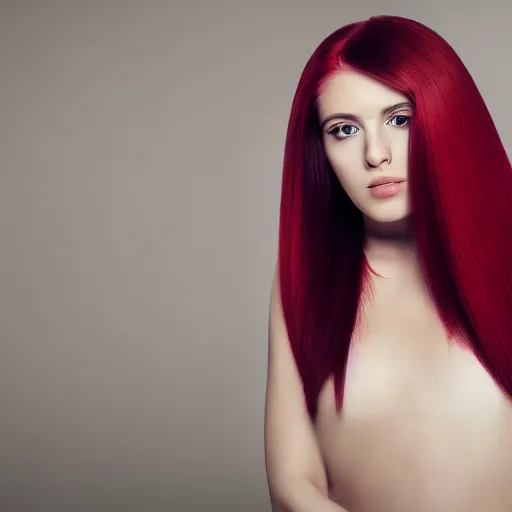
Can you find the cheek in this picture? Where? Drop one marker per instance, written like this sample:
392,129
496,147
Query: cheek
400,147
346,163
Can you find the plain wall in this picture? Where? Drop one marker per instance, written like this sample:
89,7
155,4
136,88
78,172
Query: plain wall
141,151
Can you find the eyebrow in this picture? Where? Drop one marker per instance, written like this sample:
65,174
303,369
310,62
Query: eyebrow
355,118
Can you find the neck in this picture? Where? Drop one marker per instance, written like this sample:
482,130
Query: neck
390,245
399,231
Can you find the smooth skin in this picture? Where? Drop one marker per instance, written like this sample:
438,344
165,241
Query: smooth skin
423,426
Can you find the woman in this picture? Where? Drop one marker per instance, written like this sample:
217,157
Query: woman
390,333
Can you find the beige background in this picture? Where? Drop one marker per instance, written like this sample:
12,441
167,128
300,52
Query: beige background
141,149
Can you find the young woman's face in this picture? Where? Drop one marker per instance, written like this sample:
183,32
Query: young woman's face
365,127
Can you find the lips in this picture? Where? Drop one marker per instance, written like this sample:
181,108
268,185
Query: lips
384,180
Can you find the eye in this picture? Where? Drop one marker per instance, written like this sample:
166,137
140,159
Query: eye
403,120
342,131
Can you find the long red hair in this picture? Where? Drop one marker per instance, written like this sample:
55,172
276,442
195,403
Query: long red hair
460,182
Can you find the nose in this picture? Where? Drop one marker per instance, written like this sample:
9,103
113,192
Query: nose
378,151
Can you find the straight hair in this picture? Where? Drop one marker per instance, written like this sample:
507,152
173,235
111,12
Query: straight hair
460,186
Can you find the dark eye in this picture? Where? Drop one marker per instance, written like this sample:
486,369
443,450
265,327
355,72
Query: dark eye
342,131
402,119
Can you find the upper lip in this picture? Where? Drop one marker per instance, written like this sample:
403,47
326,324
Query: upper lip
382,180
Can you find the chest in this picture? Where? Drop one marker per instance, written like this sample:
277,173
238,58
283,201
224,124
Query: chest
405,364
406,378
418,409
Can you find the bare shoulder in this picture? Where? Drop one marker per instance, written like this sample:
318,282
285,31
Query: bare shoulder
291,448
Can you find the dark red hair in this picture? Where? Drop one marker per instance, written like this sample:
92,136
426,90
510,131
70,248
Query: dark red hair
460,182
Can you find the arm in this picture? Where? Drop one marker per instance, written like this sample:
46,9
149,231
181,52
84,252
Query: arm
295,471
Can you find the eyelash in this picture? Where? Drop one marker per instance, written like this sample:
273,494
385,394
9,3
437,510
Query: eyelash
334,129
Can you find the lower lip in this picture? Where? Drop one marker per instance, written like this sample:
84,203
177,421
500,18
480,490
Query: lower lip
384,191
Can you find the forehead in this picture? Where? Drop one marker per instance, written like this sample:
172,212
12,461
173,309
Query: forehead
354,93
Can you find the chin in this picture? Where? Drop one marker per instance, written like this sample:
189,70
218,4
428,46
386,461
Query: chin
389,218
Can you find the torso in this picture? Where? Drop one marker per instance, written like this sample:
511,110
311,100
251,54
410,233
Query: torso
423,426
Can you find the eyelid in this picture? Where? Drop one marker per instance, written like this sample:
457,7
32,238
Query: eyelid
406,113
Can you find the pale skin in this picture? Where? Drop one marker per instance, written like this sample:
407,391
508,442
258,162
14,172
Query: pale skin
423,426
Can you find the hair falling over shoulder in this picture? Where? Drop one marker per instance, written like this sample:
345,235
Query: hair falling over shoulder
456,163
